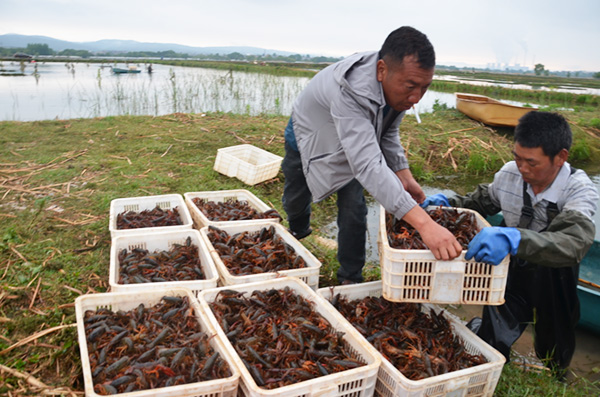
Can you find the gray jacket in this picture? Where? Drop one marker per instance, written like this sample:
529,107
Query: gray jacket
338,122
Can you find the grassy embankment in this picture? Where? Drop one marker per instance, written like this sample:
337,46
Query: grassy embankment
59,177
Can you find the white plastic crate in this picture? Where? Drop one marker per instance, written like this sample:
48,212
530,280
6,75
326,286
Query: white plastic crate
226,387
416,276
309,274
139,204
248,163
358,381
162,242
221,196
477,381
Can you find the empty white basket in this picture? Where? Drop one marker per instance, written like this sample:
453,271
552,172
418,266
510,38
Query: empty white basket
248,163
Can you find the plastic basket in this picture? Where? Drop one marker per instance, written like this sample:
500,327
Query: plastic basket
138,204
480,380
354,382
226,387
248,163
200,220
162,242
416,276
309,274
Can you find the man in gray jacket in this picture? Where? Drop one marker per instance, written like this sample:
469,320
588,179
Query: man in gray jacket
343,137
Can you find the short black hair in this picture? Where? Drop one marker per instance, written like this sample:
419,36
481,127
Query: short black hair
547,130
406,41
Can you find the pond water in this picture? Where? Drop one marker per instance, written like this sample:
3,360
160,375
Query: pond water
508,84
50,90
73,90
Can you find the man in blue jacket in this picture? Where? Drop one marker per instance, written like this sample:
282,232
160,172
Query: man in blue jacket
548,208
343,137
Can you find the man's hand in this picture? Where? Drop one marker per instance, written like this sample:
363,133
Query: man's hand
438,239
411,185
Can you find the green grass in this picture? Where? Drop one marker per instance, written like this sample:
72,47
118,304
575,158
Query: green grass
521,381
57,179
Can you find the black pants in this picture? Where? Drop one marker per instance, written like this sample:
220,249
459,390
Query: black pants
351,219
544,297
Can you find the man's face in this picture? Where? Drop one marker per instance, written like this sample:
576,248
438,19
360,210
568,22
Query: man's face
405,83
536,168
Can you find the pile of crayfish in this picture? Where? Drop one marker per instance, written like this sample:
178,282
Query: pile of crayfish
280,337
150,347
148,218
254,252
232,210
418,344
180,263
401,235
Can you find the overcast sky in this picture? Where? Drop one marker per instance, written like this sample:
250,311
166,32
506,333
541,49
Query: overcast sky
561,35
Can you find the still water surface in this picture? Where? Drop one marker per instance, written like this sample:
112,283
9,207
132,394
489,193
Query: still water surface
51,90
78,90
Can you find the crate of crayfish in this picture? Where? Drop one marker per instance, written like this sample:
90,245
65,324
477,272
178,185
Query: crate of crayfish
148,214
152,343
141,262
259,251
411,273
223,206
288,341
425,351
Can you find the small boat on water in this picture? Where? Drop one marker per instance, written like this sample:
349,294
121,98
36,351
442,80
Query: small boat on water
131,69
490,111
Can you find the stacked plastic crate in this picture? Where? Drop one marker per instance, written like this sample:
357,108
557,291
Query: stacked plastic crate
126,362
153,239
308,274
301,282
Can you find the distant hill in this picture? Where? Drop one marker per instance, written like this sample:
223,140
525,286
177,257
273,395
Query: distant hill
21,41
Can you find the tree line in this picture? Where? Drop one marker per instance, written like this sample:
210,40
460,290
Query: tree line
45,50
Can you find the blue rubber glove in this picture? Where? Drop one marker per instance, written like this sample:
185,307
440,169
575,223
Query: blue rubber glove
492,244
436,199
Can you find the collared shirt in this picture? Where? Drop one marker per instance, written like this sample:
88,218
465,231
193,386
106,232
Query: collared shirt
569,192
